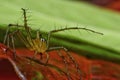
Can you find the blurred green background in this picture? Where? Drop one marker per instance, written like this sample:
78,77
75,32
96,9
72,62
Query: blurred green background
48,15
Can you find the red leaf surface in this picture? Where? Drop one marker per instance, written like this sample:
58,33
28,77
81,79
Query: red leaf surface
111,4
22,68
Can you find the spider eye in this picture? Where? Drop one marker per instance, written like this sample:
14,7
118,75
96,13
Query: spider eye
42,39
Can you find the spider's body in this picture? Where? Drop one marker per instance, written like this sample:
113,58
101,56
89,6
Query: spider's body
39,45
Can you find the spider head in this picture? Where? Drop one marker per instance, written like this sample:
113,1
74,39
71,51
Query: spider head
43,40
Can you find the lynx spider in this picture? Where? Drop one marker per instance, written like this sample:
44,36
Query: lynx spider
39,44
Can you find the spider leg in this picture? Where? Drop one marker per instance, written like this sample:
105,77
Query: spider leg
35,53
6,35
28,42
63,57
47,57
7,41
13,46
10,39
66,64
70,56
69,28
7,38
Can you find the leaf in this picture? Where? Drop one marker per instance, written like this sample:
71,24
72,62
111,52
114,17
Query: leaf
58,13
55,69
6,70
38,76
28,68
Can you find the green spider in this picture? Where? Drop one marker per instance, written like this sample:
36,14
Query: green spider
39,45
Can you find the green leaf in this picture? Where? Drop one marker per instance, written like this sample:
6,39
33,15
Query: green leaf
52,14
39,76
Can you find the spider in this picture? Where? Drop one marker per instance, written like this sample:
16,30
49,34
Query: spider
39,45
